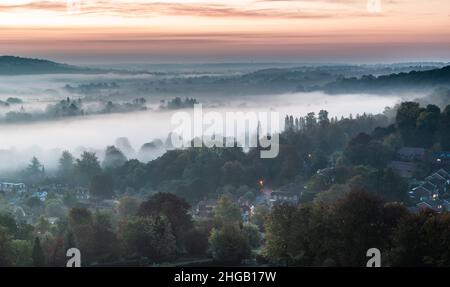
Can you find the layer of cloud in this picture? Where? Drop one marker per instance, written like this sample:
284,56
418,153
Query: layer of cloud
258,8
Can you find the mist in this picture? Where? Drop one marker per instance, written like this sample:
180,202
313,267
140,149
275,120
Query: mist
46,140
46,136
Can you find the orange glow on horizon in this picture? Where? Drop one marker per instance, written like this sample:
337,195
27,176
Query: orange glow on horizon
298,29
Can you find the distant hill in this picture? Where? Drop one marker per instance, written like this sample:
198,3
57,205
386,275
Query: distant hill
11,65
412,81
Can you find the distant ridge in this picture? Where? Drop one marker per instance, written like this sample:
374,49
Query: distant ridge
12,65
416,80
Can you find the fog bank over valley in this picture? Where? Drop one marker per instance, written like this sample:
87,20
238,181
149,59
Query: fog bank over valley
42,115
46,139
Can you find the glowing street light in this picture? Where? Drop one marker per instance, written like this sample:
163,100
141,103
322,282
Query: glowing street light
261,182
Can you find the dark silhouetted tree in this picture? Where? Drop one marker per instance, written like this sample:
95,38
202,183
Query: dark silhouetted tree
66,168
229,244
87,167
174,208
38,254
102,186
113,158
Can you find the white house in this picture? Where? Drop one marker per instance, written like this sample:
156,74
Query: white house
9,187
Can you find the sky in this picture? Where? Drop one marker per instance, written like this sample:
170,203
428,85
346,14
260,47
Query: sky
184,31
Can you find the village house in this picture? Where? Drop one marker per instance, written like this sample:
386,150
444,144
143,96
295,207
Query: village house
429,192
82,194
110,204
288,194
439,181
52,220
411,154
12,187
441,158
263,196
205,208
437,205
421,193
278,197
403,168
406,159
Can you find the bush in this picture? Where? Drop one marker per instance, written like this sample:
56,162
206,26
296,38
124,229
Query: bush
229,244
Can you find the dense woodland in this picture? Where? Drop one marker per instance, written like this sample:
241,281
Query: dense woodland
411,81
351,201
66,108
